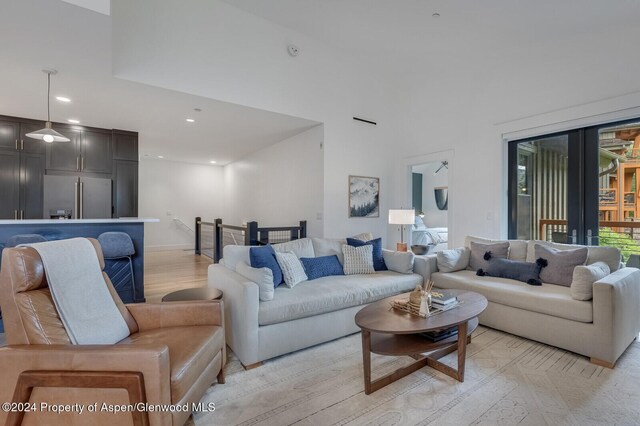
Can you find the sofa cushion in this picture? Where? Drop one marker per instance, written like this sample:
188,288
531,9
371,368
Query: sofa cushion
583,278
478,251
292,270
609,255
560,263
301,248
378,259
358,260
548,299
232,254
334,293
399,261
517,248
191,349
261,276
323,266
453,260
265,257
329,247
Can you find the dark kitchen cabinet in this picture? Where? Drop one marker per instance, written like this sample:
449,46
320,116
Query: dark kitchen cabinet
9,134
125,188
64,156
125,145
88,152
9,184
22,166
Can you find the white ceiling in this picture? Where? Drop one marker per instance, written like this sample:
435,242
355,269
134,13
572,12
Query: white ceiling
403,37
223,132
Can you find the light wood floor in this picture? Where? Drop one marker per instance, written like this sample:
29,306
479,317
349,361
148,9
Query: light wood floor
167,271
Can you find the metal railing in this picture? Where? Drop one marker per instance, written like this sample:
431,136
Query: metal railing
625,235
211,237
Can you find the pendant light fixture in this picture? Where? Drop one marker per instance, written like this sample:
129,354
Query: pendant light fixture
48,134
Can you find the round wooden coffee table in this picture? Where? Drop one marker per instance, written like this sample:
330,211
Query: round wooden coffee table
191,294
387,331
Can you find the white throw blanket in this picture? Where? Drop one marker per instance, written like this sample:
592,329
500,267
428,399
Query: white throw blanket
86,308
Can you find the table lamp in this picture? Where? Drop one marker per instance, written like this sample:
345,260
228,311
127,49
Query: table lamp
402,217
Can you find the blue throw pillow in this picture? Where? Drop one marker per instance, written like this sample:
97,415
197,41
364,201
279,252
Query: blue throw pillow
378,260
323,266
265,257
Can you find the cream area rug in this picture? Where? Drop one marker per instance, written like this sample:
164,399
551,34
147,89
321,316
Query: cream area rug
508,380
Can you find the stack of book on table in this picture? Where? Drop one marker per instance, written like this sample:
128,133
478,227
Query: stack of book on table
442,300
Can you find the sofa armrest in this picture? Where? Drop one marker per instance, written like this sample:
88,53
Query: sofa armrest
150,316
616,299
241,304
152,360
425,265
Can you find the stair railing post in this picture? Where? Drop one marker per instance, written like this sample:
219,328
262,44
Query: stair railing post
198,235
217,240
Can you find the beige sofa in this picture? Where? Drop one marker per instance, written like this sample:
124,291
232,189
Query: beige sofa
312,312
601,328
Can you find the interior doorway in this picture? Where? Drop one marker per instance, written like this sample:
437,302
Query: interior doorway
430,200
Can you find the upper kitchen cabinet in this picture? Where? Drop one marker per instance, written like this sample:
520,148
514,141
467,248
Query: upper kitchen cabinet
64,156
95,151
9,134
28,145
125,145
89,151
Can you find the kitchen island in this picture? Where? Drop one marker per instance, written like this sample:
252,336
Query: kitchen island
58,229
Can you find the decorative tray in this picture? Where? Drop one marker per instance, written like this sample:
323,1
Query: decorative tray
404,305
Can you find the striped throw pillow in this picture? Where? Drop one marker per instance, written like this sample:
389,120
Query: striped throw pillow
358,260
292,269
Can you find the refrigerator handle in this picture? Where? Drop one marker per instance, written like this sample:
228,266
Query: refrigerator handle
75,210
81,202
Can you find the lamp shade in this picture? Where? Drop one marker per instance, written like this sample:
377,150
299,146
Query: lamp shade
48,135
402,217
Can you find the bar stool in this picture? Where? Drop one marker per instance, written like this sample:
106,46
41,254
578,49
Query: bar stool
118,249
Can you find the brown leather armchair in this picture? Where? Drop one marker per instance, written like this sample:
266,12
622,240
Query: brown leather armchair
173,354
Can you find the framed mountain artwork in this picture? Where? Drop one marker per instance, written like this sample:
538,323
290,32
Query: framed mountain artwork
364,196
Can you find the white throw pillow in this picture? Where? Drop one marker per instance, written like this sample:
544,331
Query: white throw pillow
583,278
233,255
261,276
328,247
399,261
363,236
301,248
358,260
292,269
453,260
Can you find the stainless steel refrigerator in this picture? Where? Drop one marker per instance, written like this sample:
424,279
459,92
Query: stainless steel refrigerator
82,197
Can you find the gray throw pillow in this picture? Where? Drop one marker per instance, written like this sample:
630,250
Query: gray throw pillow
560,264
477,261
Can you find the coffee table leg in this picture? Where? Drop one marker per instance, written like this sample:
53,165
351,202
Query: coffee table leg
366,360
462,349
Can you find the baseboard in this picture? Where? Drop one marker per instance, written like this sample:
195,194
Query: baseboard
169,247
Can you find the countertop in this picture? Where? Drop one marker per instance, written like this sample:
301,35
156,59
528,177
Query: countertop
77,221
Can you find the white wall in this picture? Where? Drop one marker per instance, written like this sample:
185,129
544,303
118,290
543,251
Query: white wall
433,217
216,50
279,185
533,90
171,190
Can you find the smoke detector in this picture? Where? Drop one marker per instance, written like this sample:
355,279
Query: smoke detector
293,50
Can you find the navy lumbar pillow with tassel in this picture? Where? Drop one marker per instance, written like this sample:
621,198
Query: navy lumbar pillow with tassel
527,272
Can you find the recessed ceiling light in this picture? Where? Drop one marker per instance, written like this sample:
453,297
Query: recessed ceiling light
63,99
72,121
212,162
197,110
160,156
190,120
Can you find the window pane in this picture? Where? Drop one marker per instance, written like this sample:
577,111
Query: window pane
619,162
542,189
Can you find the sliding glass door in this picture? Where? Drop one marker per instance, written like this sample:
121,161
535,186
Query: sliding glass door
578,187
